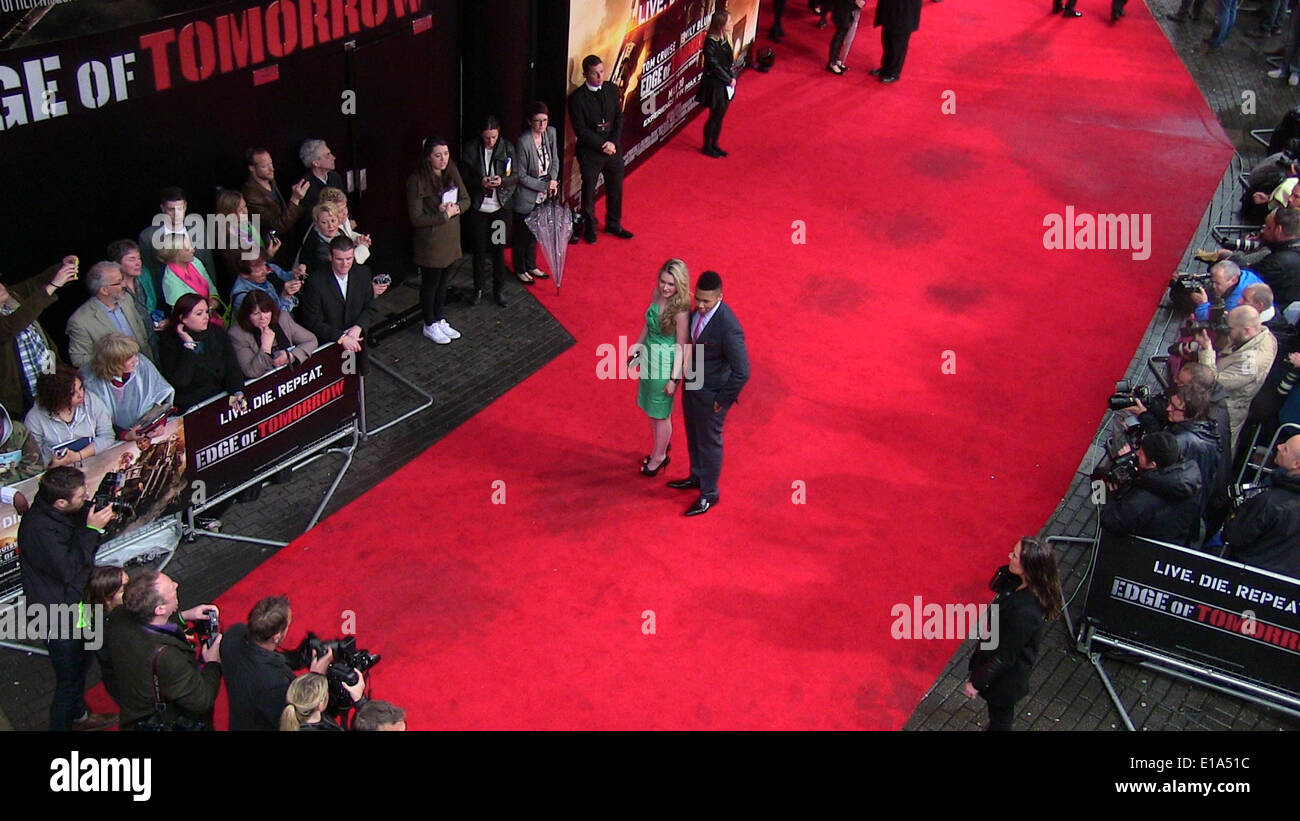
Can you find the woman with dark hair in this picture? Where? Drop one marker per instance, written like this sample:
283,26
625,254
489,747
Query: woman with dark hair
240,241
265,338
718,84
197,357
488,161
1028,594
539,180
104,589
67,423
435,199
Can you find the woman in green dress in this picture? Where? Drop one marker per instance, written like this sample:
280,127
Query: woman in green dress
660,349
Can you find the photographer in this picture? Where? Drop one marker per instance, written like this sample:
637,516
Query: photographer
1277,262
1227,281
257,676
1242,365
57,539
308,698
1198,424
380,716
1164,502
161,684
1265,532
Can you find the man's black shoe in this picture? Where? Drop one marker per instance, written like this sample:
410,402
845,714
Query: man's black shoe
875,72
1071,13
574,239
688,483
589,237
477,298
701,505
620,232
893,78
499,299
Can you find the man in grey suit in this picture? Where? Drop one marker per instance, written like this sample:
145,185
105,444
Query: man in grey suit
108,311
720,356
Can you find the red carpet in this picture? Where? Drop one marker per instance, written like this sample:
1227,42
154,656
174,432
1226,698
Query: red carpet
924,235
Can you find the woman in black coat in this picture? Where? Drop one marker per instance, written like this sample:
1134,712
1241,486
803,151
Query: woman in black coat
1028,594
197,359
719,81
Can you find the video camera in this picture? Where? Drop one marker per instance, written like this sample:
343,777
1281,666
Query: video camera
1192,281
1126,396
1119,467
1238,495
342,672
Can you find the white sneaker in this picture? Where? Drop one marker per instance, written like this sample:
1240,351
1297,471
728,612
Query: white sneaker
1293,80
435,333
451,332
1277,73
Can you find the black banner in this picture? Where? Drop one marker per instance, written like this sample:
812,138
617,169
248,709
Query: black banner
1199,608
289,410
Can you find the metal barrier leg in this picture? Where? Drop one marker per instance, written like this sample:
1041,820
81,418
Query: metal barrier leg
428,397
1095,659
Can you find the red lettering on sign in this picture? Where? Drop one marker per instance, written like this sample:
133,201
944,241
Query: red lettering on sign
373,12
197,67
240,47
156,44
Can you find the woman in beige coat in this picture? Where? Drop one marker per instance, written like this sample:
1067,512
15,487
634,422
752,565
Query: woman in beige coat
435,198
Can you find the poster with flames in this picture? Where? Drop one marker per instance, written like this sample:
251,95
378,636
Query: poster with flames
653,50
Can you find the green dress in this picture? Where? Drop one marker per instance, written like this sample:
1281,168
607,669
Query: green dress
656,367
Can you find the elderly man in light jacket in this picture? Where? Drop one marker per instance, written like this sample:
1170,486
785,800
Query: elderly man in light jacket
1243,363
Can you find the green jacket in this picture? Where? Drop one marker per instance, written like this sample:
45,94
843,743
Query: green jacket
187,688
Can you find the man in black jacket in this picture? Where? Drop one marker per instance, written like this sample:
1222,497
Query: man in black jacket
145,637
1199,423
337,306
57,539
723,364
596,113
896,19
257,676
1278,261
1164,502
1265,533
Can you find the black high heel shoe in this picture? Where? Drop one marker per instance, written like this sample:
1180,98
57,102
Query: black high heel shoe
667,451
646,470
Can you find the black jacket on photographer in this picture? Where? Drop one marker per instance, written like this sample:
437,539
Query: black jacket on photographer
58,551
1265,533
189,688
1279,268
1268,401
1163,504
1201,441
257,680
1001,674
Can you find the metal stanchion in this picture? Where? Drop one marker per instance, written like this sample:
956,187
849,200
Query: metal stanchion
366,431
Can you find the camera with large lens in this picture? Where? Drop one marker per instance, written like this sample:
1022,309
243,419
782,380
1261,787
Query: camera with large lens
1126,396
1243,244
109,493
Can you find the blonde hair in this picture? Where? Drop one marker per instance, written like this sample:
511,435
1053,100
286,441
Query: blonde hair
175,248
332,195
322,208
305,695
681,300
111,353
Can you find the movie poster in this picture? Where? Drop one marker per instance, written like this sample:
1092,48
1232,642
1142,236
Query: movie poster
145,478
654,51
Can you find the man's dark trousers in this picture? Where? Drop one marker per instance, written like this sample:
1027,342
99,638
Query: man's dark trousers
592,164
70,664
704,439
